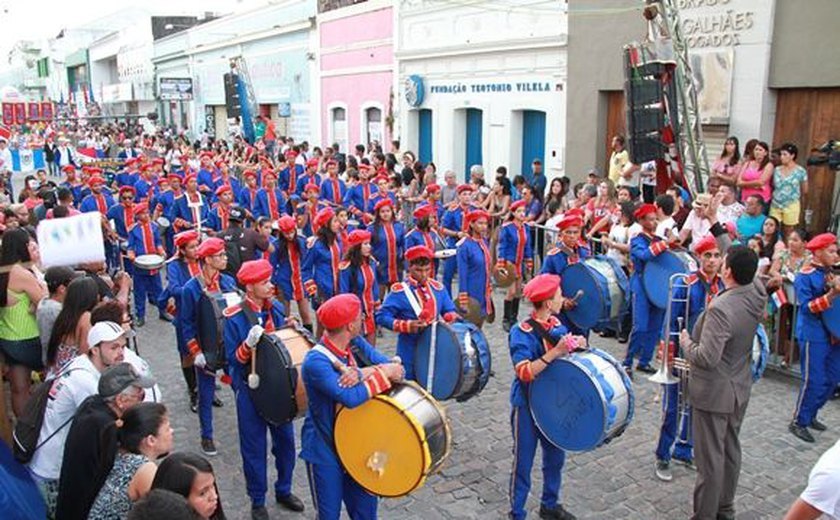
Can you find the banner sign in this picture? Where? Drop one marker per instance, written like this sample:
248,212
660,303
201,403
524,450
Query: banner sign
175,89
34,111
47,109
71,240
20,113
8,114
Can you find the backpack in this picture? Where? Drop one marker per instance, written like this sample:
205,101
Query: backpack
28,427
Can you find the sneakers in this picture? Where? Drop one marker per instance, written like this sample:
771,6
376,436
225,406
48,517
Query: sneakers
259,513
217,402
818,426
291,502
194,403
623,339
208,447
556,513
688,463
801,432
663,471
647,369
140,322
629,372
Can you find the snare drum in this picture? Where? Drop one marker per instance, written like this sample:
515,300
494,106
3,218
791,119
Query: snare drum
605,291
149,262
391,443
445,253
582,401
461,360
163,223
659,271
281,396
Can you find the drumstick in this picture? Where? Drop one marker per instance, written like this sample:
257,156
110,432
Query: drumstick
577,296
253,377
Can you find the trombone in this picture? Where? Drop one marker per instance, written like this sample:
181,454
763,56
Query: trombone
665,374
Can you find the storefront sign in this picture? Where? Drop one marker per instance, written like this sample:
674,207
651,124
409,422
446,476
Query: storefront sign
175,89
715,23
492,88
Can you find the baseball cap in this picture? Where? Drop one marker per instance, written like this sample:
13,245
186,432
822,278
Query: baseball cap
118,377
56,276
104,331
236,214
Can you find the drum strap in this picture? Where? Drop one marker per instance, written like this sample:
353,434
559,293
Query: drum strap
541,331
412,300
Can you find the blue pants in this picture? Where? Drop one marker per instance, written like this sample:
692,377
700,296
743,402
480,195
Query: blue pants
668,429
206,394
252,446
146,287
450,265
330,485
525,438
820,364
647,327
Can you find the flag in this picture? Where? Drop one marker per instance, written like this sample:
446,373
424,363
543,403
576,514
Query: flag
779,298
5,133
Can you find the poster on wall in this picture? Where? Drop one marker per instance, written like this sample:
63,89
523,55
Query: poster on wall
711,71
47,110
34,111
210,120
8,114
299,127
20,113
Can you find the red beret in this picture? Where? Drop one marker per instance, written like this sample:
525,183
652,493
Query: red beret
254,271
311,186
707,244
478,214
159,161
190,177
96,181
69,168
131,160
339,310
140,207
433,188
312,163
268,172
821,242
569,221
365,167
424,211
286,224
174,177
205,155
222,189
413,253
291,153
381,178
575,212
185,237
331,162
464,187
93,170
541,287
383,203
644,209
357,237
518,204
162,180
324,216
250,173
220,163
211,246
145,167
128,189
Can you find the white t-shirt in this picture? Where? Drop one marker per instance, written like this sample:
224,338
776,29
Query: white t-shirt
634,230
6,159
823,491
621,235
730,213
700,228
79,381
667,229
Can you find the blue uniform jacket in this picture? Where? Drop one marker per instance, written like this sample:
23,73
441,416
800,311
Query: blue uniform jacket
453,220
515,244
358,197
474,267
181,210
330,193
177,276
320,266
236,331
188,310
561,257
388,247
810,286
206,181
123,217
643,248
145,239
700,291
89,203
321,380
289,178
127,178
526,345
307,179
289,267
262,207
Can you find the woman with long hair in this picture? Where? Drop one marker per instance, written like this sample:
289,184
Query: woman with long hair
388,241
143,435
424,232
785,266
725,167
515,252
474,266
602,210
358,276
790,187
291,250
320,265
20,292
756,174
69,334
191,476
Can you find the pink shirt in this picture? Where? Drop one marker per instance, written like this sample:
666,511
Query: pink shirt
754,174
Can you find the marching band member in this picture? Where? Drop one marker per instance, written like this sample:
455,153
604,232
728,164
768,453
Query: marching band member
220,213
242,332
358,276
206,174
157,209
568,251
534,344
224,179
291,249
358,197
190,210
179,270
474,265
454,228
333,189
101,201
320,265
248,195
270,201
647,318
307,211
72,183
424,232
332,378
413,305
290,174
144,239
310,176
211,282
164,204
817,289
130,174
383,191
515,247
146,185
388,241
699,289
121,217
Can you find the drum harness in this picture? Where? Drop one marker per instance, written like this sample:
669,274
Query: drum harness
417,308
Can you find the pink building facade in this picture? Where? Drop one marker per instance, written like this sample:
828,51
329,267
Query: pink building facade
357,74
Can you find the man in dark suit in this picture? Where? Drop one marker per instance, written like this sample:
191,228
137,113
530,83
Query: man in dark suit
719,352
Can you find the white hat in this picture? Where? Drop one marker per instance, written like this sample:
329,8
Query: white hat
104,331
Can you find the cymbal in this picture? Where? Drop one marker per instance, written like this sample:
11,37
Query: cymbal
505,276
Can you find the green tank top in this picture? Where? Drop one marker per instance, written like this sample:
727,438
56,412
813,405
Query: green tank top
16,322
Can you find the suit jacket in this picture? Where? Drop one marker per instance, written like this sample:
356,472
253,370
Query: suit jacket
720,353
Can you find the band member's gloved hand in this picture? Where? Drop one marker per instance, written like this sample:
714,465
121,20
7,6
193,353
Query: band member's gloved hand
393,371
463,300
451,316
200,361
311,287
254,336
569,303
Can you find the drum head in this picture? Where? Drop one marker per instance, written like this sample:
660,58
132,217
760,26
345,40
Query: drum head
831,319
592,306
149,262
446,370
658,273
382,448
274,398
568,406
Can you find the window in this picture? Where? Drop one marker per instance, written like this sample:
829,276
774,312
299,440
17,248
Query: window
373,125
338,126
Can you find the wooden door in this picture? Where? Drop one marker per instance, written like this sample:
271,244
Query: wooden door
616,123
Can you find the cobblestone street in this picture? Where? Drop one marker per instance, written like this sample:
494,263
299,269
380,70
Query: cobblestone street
614,481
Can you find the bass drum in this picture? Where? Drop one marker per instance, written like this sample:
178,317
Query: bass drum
582,401
210,331
281,396
658,273
831,319
604,289
462,361
393,442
